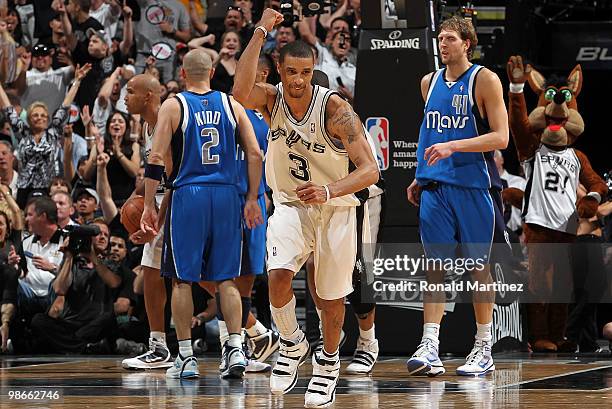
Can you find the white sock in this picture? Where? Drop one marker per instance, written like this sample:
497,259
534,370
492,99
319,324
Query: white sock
223,334
367,335
332,357
286,321
185,348
256,329
158,336
234,341
483,331
242,336
431,331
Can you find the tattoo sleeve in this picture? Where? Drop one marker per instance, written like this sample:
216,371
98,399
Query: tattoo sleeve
345,124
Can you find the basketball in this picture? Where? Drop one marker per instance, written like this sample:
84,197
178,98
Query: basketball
131,212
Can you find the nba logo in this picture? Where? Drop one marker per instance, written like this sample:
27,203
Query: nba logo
378,127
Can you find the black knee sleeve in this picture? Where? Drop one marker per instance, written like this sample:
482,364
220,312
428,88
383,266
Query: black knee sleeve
362,309
219,312
246,308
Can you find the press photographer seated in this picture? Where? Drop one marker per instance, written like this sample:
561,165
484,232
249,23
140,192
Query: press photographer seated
90,289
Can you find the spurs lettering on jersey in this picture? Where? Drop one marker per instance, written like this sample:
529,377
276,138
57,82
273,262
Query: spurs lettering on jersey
550,197
302,151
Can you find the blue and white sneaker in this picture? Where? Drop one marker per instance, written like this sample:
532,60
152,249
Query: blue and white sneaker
425,360
183,368
234,362
479,362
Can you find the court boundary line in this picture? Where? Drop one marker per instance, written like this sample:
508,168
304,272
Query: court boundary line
48,363
556,376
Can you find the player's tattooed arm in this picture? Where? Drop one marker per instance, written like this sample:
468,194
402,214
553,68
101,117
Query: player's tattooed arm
343,123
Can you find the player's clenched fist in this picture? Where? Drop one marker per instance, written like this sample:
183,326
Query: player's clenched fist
310,193
270,18
252,213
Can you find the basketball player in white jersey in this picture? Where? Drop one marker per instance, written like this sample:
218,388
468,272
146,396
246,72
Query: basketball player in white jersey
366,353
314,212
143,98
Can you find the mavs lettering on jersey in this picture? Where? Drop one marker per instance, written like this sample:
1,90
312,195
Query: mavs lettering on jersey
451,113
204,144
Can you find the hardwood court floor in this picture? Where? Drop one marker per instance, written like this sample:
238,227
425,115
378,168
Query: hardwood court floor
520,381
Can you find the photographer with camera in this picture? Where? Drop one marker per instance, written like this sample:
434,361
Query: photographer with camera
40,258
89,288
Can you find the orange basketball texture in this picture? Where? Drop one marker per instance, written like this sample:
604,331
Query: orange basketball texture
131,212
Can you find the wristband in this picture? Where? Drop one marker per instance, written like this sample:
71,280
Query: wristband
154,171
327,195
595,196
263,30
516,88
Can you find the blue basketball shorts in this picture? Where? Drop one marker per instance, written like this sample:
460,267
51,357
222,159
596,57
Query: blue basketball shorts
254,242
202,234
460,222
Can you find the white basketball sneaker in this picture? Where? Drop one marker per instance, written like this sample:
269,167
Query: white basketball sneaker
183,368
158,356
364,358
263,345
479,361
425,360
254,366
234,362
321,391
290,356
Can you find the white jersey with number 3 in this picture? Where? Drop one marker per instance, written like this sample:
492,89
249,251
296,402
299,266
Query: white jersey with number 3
302,151
550,196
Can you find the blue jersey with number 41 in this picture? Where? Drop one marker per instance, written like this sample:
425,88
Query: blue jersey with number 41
204,144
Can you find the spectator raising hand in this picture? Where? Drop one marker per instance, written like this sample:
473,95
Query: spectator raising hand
81,72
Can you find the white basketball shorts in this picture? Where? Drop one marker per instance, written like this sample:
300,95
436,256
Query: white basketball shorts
152,251
296,230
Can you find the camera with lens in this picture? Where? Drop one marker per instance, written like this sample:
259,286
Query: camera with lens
309,8
79,237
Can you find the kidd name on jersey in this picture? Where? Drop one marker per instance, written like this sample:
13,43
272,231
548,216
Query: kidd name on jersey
302,151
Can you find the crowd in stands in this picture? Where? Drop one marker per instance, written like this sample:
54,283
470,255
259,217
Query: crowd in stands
71,154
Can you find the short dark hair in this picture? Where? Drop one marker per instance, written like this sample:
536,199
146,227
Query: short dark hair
266,61
44,204
299,49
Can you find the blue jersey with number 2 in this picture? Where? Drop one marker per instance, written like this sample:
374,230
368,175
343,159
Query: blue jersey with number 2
204,144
